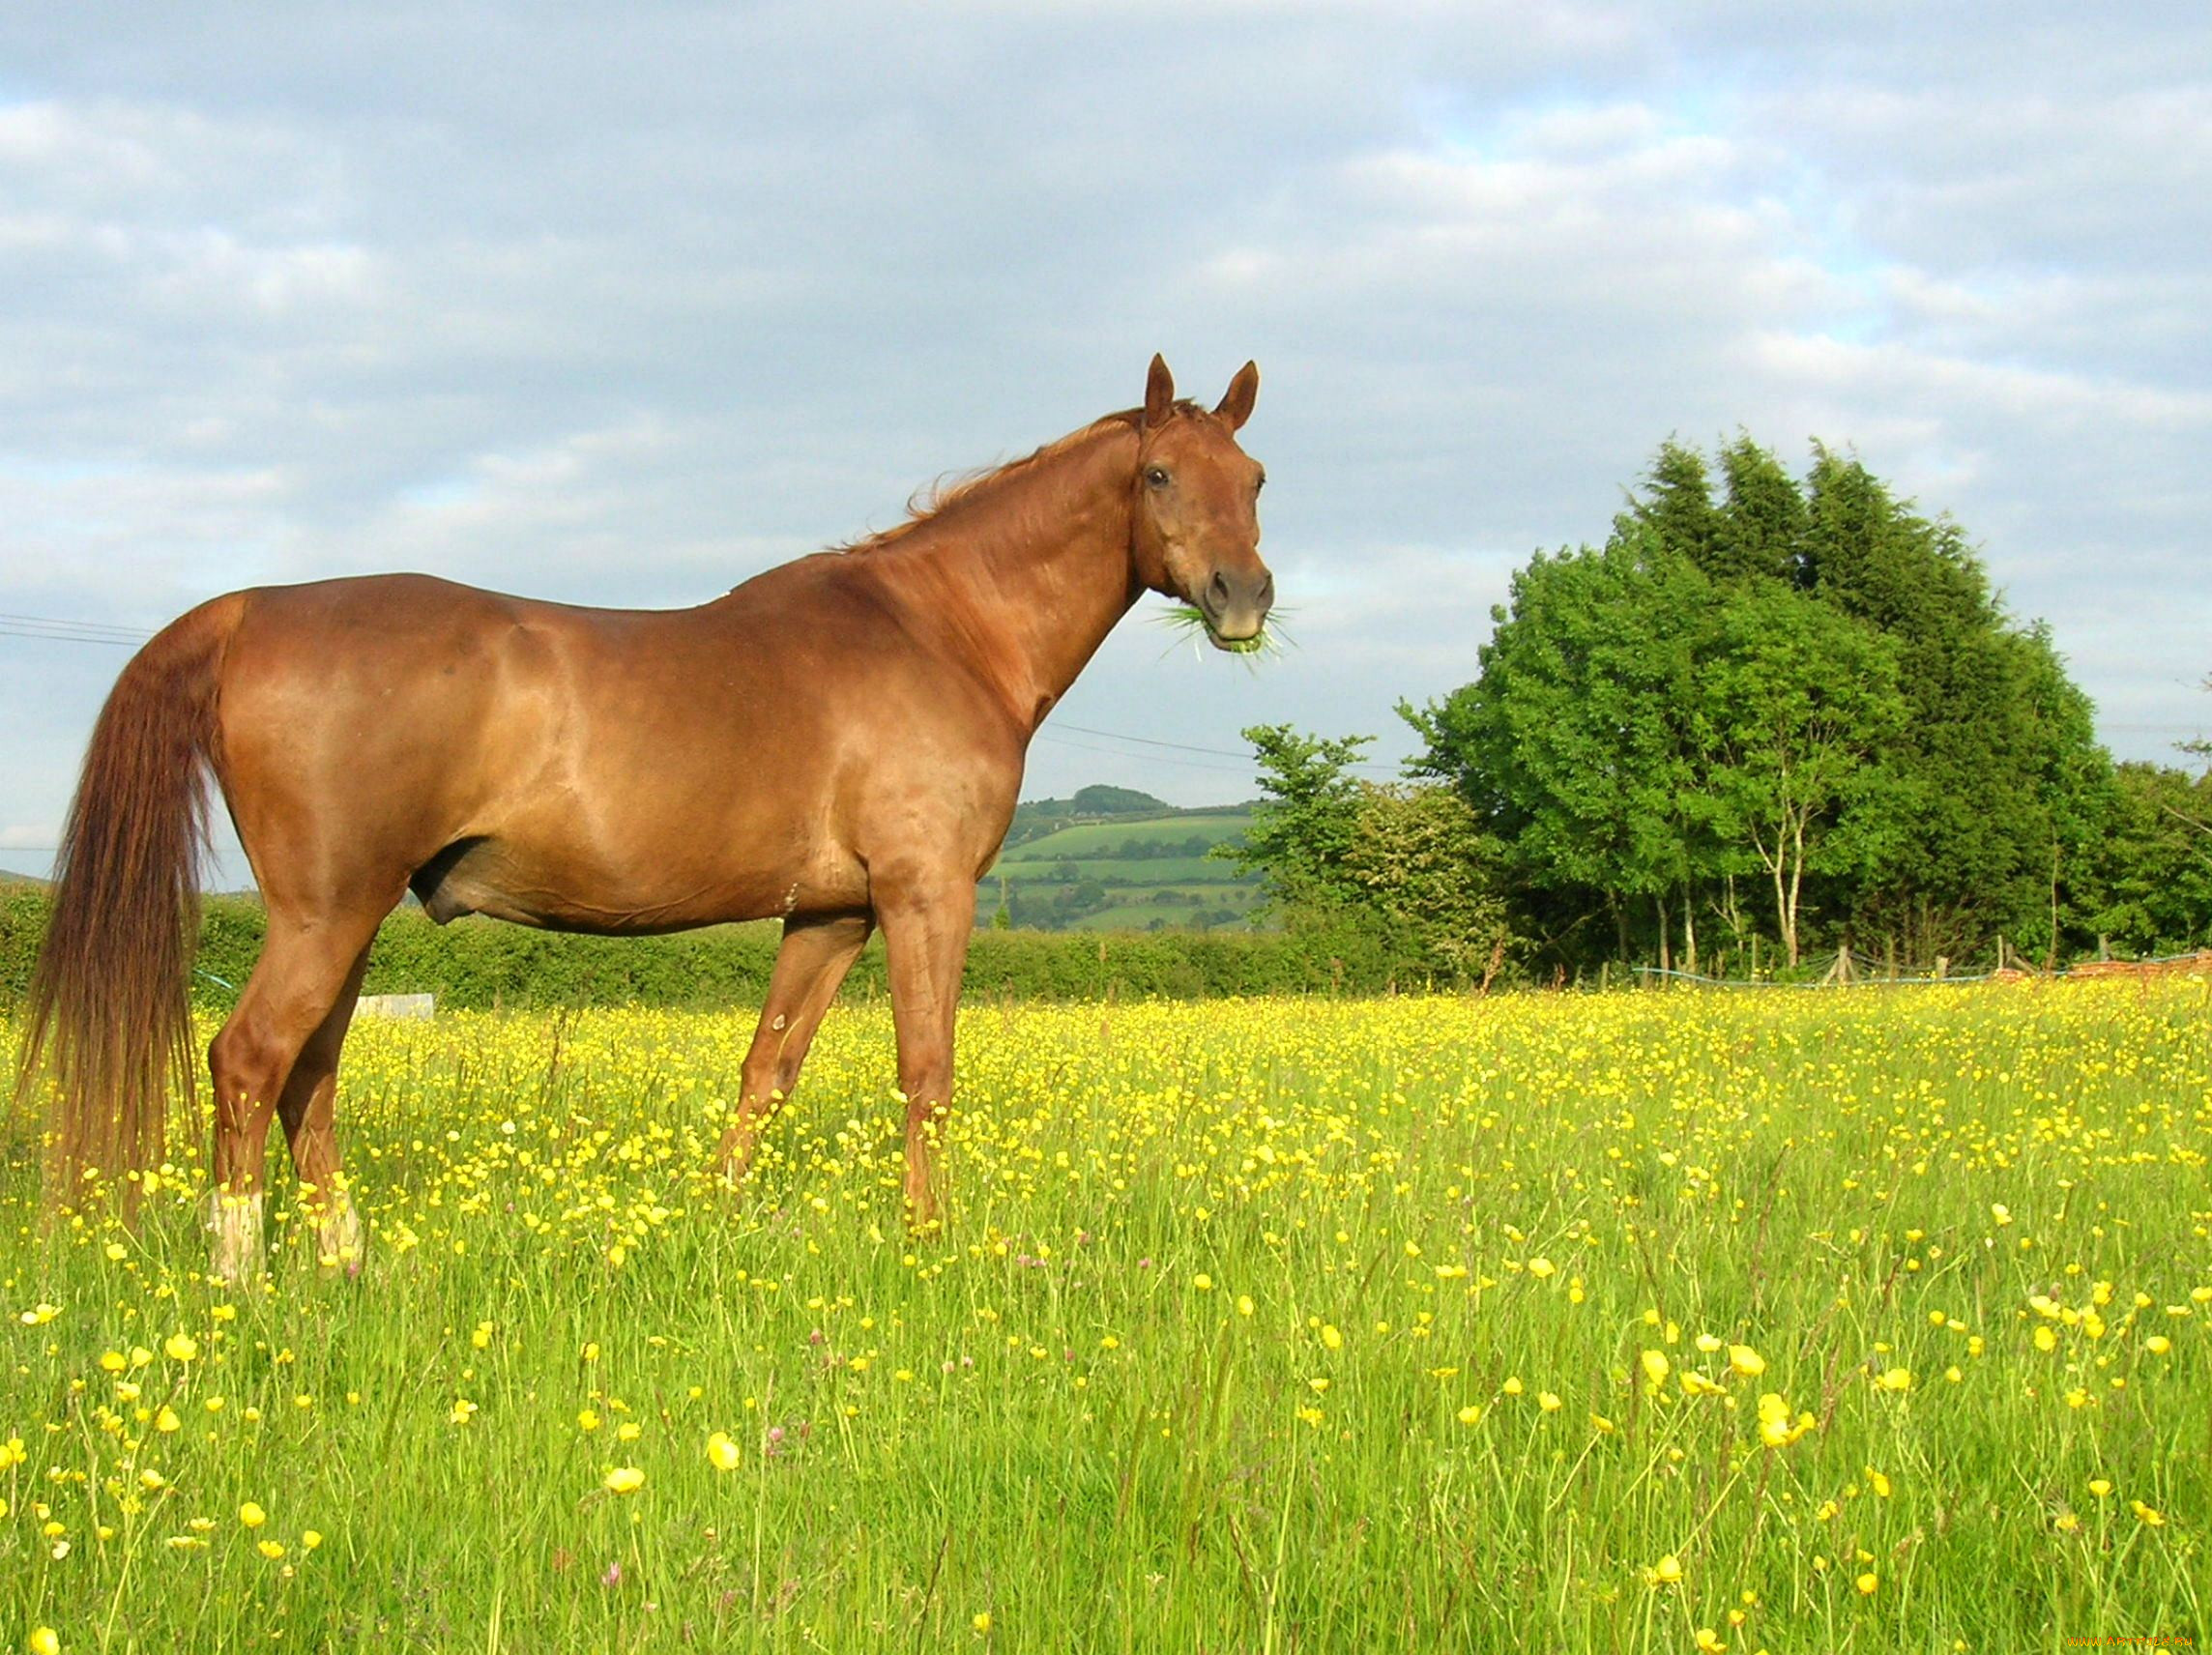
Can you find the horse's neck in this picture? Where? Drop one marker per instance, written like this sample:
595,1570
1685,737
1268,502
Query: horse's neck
1034,581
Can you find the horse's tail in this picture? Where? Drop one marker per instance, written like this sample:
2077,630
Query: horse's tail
109,1010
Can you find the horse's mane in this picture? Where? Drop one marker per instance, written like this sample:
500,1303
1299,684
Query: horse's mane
961,488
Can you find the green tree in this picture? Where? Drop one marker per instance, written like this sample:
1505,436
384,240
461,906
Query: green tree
1676,507
1762,528
1798,703
2156,862
1576,746
1303,827
1625,733
1427,876
1997,762
1396,879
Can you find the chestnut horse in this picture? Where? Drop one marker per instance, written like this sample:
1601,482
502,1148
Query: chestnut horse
838,742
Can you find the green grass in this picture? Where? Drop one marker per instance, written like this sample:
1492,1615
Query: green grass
1177,871
1141,908
1101,839
1090,1412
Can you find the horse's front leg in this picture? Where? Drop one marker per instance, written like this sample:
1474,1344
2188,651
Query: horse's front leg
812,960
926,927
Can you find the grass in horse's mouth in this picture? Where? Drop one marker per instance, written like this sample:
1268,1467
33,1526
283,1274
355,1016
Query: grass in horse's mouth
1187,620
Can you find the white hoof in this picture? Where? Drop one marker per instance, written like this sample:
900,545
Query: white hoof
235,1222
340,1240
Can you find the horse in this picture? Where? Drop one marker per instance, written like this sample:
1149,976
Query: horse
837,743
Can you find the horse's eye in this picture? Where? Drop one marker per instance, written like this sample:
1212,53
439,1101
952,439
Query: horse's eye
1156,476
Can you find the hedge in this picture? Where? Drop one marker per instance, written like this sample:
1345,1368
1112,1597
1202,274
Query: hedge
482,964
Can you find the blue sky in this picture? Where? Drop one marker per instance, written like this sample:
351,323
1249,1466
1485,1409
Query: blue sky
625,306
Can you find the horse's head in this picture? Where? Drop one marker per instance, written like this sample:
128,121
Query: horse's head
1195,514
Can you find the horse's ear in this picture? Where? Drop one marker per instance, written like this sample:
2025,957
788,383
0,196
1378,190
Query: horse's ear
1236,406
1159,392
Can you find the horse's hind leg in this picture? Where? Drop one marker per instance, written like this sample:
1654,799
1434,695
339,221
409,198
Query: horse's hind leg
305,968
308,1110
813,960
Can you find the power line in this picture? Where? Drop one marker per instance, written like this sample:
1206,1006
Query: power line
70,632
1152,758
1185,747
1148,742
108,626
64,638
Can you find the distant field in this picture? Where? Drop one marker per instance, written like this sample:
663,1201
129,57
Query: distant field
1107,838
1151,870
1140,916
1132,873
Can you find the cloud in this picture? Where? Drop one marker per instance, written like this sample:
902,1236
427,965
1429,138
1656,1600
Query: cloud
619,307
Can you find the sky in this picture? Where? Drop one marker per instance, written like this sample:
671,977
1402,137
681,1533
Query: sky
621,304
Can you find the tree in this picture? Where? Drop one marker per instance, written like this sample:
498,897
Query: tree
1575,745
1398,879
2198,748
2155,859
1427,877
1997,761
1303,828
1805,681
1798,703
1762,527
1676,507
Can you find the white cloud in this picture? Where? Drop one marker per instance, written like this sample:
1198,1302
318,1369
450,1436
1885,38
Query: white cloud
621,305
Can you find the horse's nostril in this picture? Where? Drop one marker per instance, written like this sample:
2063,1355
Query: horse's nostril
1267,591
1220,586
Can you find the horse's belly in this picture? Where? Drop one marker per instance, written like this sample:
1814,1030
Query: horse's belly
571,892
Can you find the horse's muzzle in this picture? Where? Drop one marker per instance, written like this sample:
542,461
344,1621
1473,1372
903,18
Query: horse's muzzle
1235,604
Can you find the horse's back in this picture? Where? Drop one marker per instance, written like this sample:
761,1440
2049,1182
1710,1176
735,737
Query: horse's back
586,768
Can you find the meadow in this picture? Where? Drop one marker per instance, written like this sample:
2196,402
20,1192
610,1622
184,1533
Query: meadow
1128,873
1867,1319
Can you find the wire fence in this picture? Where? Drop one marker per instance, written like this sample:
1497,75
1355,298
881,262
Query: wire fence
1846,970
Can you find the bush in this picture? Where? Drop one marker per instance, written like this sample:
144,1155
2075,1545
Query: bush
478,963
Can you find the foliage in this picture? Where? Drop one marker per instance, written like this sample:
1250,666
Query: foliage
1796,706
1428,877
1303,827
1576,746
1973,834
482,963
1392,881
1803,681
2155,869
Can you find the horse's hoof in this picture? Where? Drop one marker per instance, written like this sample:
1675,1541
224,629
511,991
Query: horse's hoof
235,1221
343,1243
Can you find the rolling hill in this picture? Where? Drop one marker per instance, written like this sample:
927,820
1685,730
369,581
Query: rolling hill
1114,860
